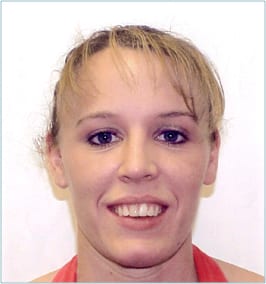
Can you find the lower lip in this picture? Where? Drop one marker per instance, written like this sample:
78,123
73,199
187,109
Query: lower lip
139,223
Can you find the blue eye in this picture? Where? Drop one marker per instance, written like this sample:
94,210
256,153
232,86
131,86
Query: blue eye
103,138
172,137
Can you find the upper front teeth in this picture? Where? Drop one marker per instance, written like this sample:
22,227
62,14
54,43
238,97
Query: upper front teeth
138,210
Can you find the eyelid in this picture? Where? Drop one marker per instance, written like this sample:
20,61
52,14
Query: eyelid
180,132
94,134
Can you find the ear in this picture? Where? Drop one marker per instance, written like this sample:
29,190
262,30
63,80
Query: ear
210,175
55,163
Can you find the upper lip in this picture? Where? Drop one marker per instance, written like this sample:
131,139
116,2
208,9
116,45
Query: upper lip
138,200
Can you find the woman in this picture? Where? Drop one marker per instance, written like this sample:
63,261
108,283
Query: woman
134,135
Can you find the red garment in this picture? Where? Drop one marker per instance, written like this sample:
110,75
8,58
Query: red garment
207,269
68,273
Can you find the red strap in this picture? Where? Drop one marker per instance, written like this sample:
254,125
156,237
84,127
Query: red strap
207,269
67,273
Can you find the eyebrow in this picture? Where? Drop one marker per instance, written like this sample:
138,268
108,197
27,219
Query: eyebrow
174,114
97,115
108,115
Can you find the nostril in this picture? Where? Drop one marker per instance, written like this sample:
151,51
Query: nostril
148,177
125,179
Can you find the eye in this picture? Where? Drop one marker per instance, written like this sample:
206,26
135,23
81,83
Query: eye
103,138
172,137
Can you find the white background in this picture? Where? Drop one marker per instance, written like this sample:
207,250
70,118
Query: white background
38,234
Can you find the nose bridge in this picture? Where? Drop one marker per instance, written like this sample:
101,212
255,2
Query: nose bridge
137,158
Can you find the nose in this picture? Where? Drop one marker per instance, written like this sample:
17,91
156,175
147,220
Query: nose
137,162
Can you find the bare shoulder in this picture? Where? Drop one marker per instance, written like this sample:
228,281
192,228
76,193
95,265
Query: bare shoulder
45,278
237,274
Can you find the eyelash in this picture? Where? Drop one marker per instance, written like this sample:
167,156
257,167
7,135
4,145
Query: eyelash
105,135
176,137
110,137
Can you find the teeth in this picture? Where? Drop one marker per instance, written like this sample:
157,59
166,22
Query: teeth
133,211
143,208
125,211
138,210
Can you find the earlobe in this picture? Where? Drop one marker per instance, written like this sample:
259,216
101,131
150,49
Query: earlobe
55,164
213,159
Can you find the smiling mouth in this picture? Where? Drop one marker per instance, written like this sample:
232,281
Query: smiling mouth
138,210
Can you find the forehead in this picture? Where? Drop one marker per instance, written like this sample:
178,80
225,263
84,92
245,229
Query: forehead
108,73
128,66
118,82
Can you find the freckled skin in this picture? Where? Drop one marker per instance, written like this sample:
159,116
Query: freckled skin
138,162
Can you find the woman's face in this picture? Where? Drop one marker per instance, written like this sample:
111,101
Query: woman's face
134,160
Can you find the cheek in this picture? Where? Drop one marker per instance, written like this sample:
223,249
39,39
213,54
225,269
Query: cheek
88,181
186,170
184,174
186,186
88,175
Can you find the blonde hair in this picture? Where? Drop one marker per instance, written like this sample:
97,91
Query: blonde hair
194,77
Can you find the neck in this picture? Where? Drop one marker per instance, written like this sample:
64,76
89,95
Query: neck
93,267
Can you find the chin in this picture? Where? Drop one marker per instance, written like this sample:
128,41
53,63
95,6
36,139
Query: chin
139,261
141,256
